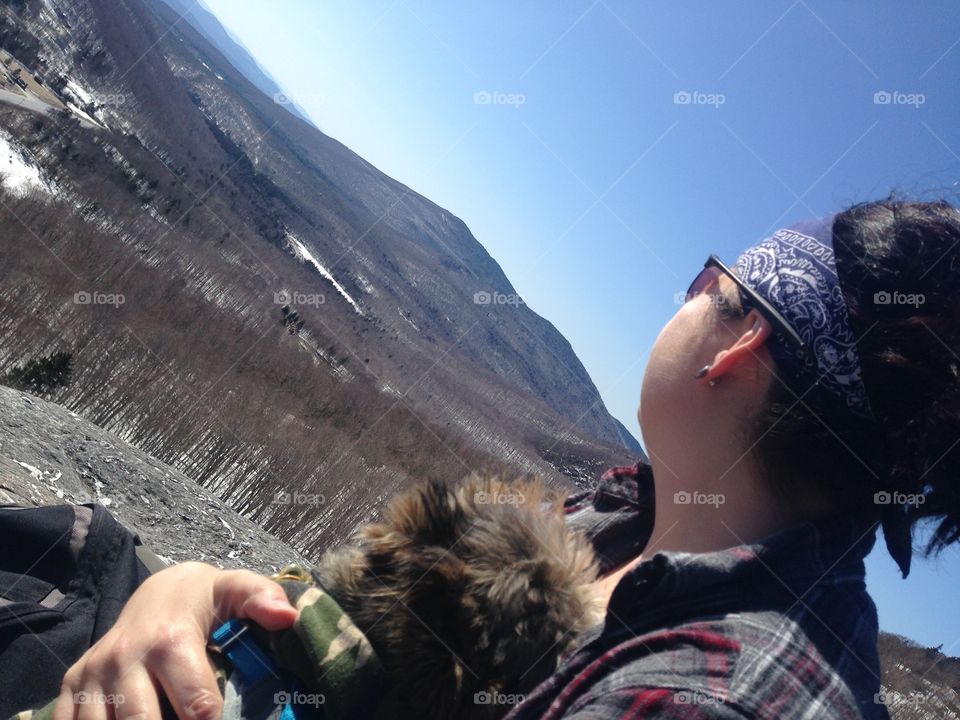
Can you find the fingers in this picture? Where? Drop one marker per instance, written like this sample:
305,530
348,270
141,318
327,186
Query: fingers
161,640
107,683
136,697
243,594
81,698
268,612
65,709
93,704
180,664
179,661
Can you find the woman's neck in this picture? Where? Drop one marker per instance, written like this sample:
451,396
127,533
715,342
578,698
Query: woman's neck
712,498
710,511
605,585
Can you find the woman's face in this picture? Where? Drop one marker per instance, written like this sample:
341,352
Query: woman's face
698,435
676,407
680,350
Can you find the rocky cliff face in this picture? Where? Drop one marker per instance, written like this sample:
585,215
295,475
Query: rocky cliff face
248,300
49,455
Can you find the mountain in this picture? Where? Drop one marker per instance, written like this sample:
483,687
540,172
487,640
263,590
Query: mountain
207,24
49,455
629,441
918,683
245,298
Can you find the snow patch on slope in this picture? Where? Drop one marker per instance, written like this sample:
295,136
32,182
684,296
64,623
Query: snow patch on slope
79,92
304,255
404,316
21,174
80,96
365,285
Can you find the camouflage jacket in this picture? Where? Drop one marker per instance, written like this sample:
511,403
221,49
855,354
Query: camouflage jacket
323,668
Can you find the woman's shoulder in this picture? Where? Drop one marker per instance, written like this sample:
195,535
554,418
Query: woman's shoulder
769,630
760,665
793,662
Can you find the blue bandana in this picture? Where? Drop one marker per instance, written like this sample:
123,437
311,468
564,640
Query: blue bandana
795,271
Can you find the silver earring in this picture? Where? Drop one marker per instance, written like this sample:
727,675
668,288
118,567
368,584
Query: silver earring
713,381
702,372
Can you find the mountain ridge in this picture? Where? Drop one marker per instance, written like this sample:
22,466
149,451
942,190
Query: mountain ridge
293,318
219,35
342,168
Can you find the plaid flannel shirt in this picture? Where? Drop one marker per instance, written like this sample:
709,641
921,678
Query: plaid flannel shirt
783,629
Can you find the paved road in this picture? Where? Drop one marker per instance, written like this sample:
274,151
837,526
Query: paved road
28,102
34,104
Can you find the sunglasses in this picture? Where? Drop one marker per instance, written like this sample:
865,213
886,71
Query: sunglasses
713,268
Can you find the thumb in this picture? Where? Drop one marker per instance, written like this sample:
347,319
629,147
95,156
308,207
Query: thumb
244,594
270,611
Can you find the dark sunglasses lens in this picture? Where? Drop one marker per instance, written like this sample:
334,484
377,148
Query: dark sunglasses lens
701,282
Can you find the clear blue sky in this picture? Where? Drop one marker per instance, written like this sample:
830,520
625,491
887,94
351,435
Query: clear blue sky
598,193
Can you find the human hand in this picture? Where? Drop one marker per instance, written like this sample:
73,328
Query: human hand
160,641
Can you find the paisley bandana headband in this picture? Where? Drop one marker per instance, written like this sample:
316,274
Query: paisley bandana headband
795,271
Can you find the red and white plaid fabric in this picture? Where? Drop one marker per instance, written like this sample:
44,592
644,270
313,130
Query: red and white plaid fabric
781,630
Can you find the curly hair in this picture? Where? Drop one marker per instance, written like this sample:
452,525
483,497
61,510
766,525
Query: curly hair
899,265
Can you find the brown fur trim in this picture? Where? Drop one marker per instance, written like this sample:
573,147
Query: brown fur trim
467,589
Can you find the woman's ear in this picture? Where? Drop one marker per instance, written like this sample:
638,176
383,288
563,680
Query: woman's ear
758,329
